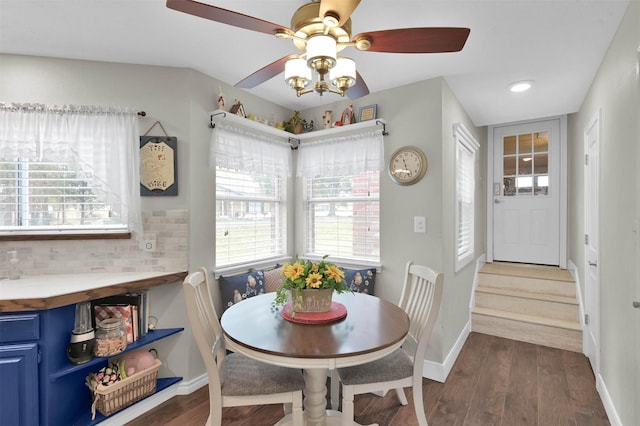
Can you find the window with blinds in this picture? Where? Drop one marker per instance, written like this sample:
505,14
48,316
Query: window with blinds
343,216
250,217
41,196
466,147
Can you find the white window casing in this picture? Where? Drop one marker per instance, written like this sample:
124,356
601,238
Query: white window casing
465,162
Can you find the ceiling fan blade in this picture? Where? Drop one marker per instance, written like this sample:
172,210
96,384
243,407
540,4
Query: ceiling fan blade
342,8
225,16
265,73
359,89
417,40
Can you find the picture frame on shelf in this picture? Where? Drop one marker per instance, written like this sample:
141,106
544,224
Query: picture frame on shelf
368,112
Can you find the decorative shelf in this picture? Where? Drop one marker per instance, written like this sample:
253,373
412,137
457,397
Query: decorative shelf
150,337
250,124
161,384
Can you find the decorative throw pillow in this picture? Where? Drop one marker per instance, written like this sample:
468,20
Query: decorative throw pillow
361,280
236,288
272,279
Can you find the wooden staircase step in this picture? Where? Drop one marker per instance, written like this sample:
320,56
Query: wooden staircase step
565,335
529,271
529,303
525,294
532,319
520,303
534,285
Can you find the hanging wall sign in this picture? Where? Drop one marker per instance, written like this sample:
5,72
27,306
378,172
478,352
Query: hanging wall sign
158,165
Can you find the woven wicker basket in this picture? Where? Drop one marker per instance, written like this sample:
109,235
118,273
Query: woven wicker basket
112,398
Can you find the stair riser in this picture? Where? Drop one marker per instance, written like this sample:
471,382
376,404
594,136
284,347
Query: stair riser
561,311
560,288
554,337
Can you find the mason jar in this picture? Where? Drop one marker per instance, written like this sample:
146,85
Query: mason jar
111,337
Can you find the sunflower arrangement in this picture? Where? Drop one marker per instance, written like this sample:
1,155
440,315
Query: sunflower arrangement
304,274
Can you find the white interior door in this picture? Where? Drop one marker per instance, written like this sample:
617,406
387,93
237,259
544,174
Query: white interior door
526,193
592,243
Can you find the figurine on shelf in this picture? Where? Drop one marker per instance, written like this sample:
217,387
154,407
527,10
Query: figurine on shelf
220,100
328,119
307,127
238,109
347,115
294,125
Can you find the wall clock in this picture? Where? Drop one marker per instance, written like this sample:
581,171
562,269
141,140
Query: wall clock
407,165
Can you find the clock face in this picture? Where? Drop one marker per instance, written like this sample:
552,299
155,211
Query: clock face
407,165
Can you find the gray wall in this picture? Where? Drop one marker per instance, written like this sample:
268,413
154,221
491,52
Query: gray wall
423,114
420,114
615,91
180,99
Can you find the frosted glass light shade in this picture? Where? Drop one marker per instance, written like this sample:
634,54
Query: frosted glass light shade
296,68
345,68
321,47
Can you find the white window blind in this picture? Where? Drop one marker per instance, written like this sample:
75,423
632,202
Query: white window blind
466,147
342,196
251,219
68,169
343,217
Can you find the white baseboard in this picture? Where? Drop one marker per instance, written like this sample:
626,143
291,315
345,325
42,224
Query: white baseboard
440,371
139,408
612,413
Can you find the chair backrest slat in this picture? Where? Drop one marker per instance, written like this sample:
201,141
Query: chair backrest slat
421,298
204,323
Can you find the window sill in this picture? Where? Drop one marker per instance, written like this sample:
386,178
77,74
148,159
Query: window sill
78,236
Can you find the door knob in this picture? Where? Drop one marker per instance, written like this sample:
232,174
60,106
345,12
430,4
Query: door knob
593,263
497,201
636,305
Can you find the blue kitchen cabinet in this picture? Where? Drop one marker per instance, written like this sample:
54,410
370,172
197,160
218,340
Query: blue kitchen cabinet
19,370
38,384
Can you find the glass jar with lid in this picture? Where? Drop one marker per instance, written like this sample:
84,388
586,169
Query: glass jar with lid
111,337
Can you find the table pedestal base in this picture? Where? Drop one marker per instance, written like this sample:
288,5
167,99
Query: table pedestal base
315,402
333,418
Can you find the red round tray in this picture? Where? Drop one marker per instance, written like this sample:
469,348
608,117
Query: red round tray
337,312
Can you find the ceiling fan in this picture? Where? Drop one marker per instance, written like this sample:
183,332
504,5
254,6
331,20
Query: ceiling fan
320,30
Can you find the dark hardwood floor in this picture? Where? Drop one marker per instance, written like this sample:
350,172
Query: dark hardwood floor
495,381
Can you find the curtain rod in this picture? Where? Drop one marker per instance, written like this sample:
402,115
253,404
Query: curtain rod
16,106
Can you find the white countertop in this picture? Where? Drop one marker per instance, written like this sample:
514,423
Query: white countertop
51,286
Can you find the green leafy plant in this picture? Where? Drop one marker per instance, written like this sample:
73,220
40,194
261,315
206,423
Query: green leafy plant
304,274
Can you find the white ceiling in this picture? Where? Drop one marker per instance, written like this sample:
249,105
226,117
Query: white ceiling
557,43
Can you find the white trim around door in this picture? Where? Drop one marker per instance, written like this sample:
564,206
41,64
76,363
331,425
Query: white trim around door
563,187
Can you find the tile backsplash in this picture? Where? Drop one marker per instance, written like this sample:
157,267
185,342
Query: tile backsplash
170,228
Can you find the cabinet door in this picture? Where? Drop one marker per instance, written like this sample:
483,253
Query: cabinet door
19,389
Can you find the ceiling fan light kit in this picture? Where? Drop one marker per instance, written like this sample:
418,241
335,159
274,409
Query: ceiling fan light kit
320,30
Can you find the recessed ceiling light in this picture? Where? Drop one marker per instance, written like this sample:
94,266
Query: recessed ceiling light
520,86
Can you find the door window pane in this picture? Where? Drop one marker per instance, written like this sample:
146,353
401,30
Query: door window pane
509,145
525,164
525,143
541,142
540,164
509,166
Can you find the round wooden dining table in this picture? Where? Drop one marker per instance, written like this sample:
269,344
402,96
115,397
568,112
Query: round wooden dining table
372,329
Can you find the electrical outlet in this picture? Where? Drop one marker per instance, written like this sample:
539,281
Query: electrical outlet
148,242
149,245
419,224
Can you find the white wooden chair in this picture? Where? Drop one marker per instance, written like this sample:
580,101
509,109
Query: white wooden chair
234,379
420,299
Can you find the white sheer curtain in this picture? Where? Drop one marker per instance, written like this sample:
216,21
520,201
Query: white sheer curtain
345,155
238,148
101,142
